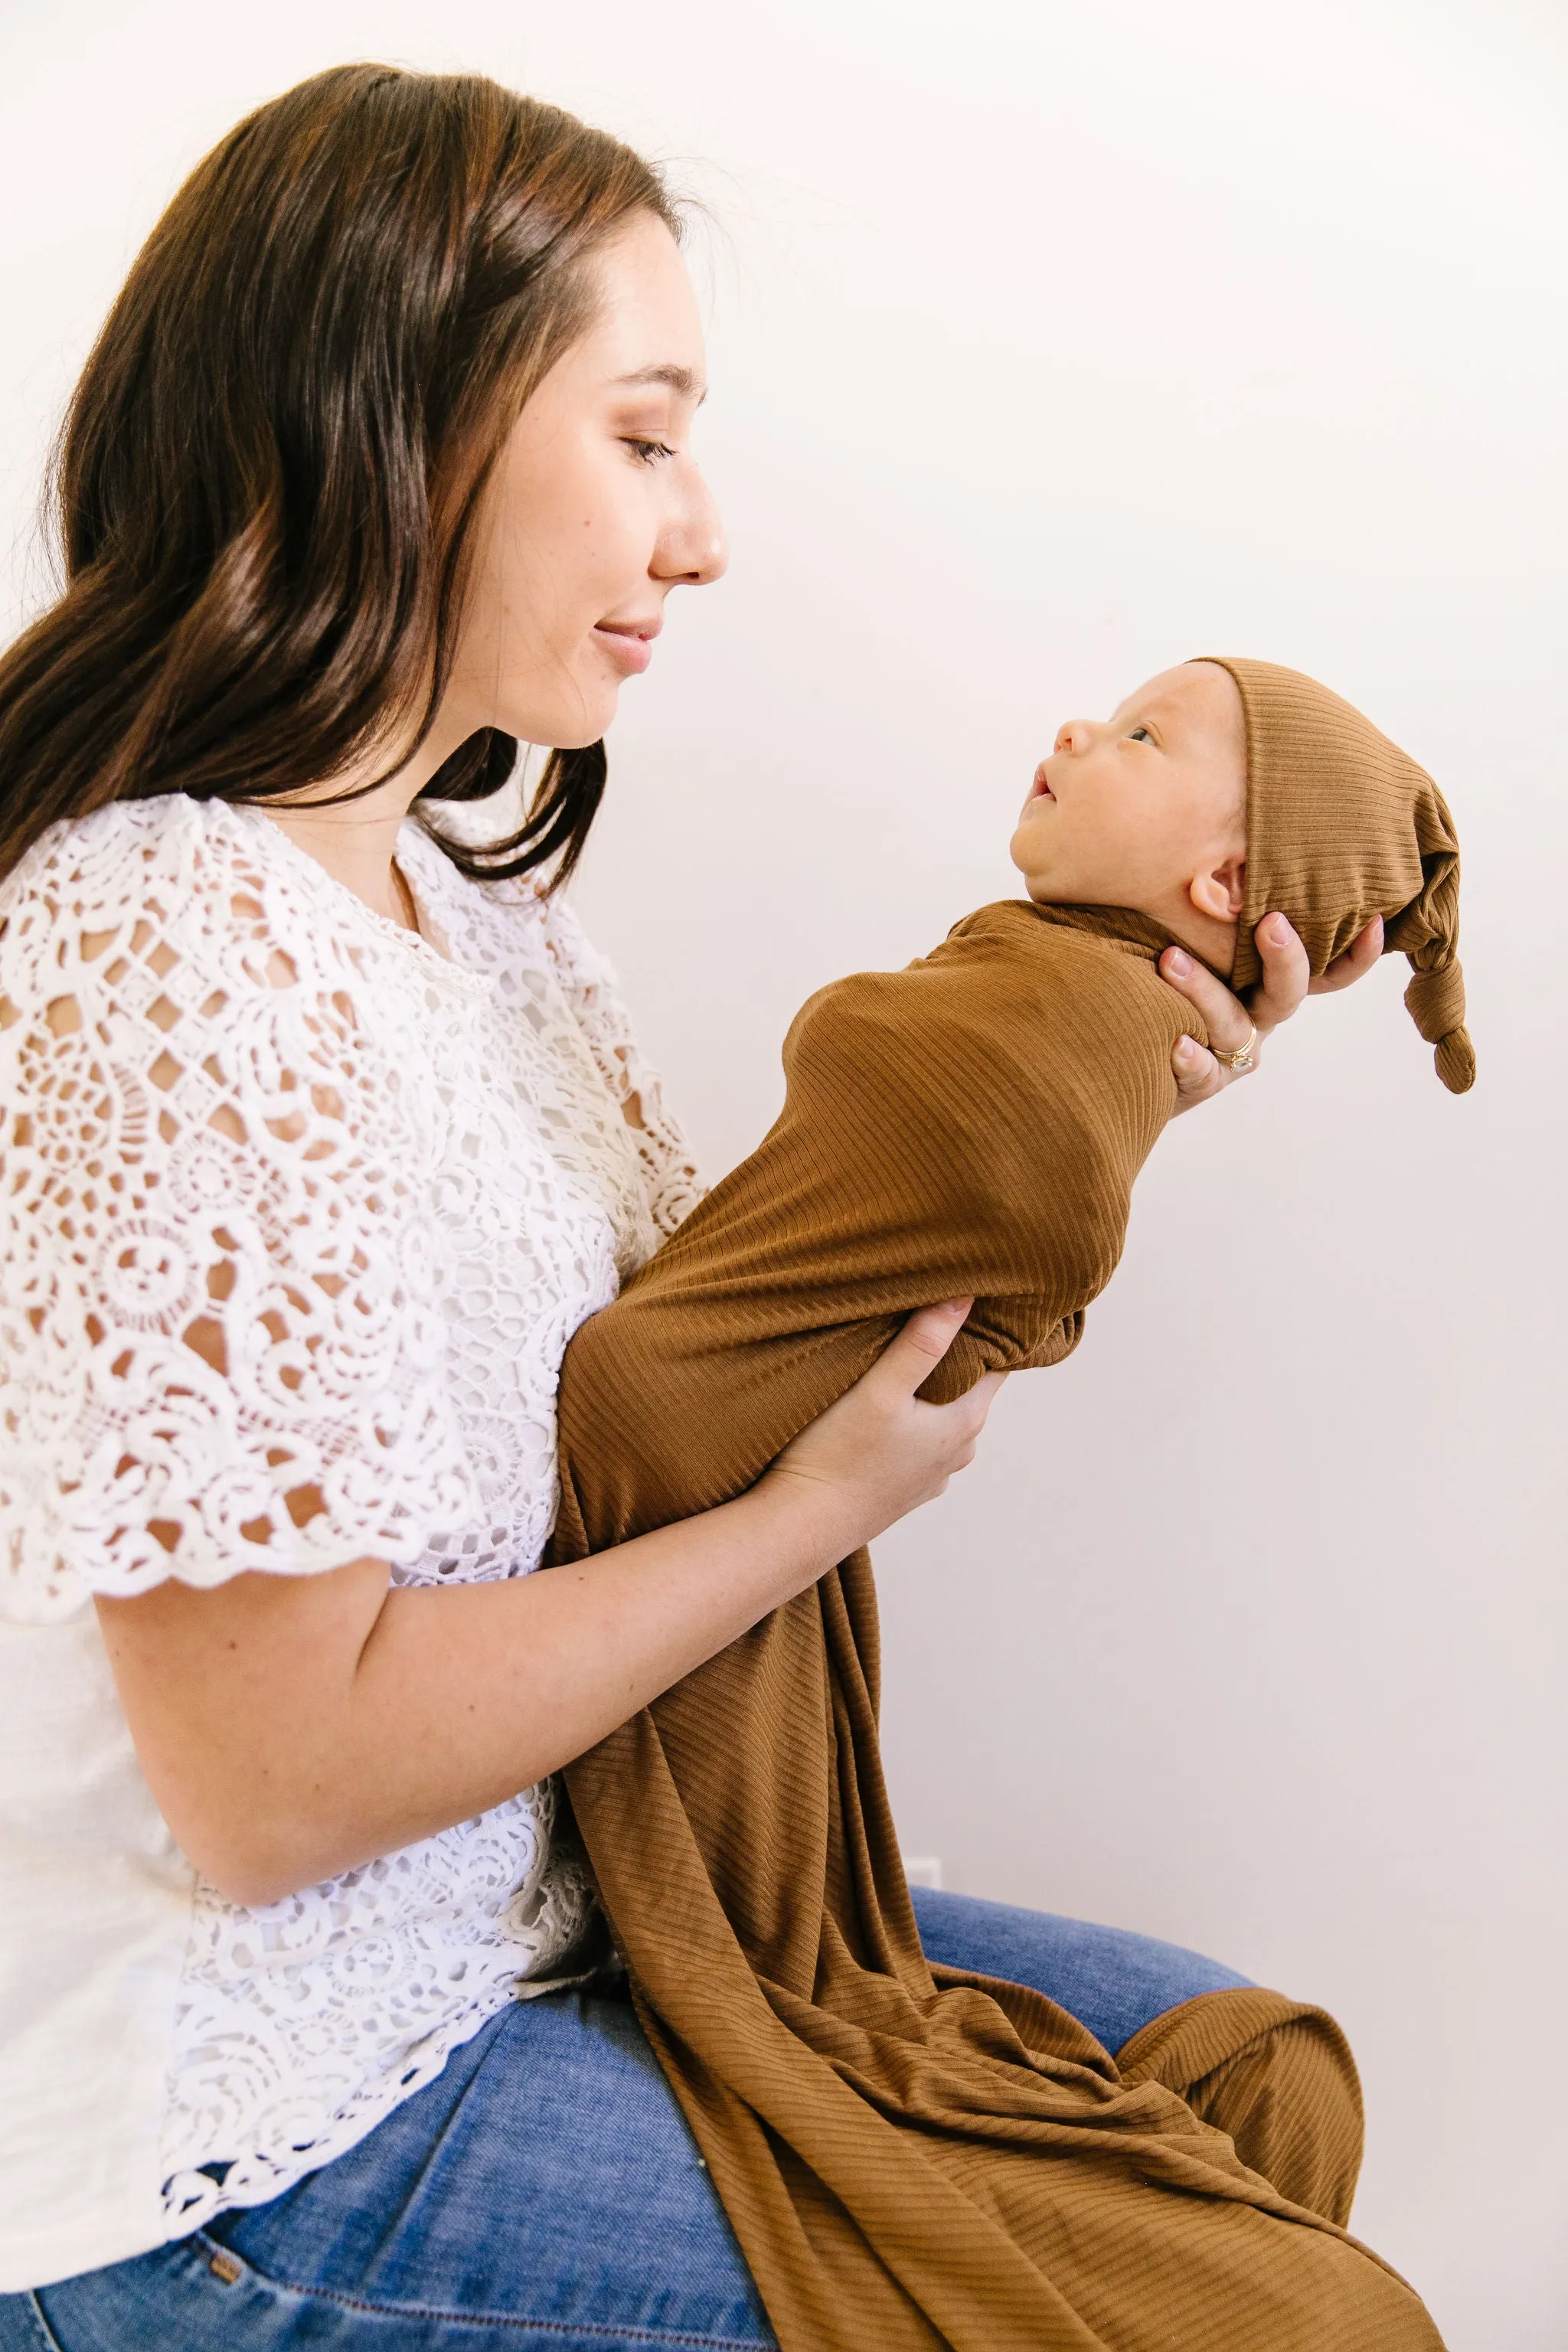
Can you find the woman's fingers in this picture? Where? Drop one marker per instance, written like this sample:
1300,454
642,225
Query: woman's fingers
879,1450
907,1359
1231,1023
1198,1074
1358,957
1224,1015
976,1404
1286,983
1286,975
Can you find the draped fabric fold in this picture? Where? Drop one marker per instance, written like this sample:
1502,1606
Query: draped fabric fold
914,2160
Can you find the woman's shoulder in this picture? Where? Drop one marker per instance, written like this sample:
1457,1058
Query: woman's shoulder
147,885
100,856
86,865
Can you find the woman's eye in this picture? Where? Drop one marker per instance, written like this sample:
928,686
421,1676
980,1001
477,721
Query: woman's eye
649,453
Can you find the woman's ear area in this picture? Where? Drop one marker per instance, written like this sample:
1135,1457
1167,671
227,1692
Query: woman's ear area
1219,889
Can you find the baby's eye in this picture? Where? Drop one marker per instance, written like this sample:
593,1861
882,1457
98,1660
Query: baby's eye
1139,735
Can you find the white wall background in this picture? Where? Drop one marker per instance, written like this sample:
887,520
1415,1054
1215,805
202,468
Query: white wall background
1055,340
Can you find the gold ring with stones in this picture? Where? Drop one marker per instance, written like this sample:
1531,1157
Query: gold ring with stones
1242,1057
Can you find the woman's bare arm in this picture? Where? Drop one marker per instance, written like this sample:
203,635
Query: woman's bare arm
1285,986
292,1727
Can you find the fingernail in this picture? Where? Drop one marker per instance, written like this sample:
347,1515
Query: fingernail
1187,1049
1276,928
1179,961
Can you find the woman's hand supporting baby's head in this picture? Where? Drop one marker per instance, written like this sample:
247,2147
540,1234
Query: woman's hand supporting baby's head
1148,810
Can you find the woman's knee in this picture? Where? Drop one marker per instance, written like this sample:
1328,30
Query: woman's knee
1112,1980
1276,2077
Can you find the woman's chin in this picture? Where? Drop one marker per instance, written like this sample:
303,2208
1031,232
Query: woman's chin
565,729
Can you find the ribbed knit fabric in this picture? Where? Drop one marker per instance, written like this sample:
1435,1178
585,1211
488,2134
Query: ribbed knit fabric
914,2160
1278,2079
1342,826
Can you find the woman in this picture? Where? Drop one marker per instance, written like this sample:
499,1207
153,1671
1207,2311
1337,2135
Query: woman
323,1129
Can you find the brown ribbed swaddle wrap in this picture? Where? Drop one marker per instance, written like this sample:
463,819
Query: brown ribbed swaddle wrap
913,2159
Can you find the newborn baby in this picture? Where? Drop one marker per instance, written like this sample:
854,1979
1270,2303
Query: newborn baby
970,1128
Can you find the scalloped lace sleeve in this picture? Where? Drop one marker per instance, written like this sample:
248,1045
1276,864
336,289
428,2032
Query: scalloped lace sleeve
671,1179
220,1343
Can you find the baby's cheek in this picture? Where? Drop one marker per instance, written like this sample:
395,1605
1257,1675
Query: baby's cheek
1146,845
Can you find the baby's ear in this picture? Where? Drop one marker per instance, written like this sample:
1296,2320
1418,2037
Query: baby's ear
1220,891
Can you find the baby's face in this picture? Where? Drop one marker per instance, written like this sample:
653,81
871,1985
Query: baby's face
1146,809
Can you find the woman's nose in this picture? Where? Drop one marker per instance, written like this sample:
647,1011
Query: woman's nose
692,551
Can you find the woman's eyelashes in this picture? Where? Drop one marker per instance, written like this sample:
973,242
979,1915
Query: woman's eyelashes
647,453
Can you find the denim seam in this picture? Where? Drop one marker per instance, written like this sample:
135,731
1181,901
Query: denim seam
46,2336
558,2328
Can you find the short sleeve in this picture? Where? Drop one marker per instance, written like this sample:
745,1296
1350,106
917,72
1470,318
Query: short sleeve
671,1181
220,1322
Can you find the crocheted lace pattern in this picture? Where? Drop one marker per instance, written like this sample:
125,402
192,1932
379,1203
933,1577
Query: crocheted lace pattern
298,1212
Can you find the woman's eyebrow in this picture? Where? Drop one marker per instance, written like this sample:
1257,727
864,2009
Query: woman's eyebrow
680,380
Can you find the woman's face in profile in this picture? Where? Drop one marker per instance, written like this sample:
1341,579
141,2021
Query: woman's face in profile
595,511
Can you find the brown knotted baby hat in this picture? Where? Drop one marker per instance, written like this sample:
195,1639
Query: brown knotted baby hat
1341,826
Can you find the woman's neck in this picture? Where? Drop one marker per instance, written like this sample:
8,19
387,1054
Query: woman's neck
356,840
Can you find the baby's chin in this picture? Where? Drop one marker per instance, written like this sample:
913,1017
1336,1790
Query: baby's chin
1025,855
1045,887
1046,893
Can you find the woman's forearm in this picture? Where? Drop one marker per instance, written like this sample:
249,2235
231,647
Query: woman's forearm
522,1676
292,1727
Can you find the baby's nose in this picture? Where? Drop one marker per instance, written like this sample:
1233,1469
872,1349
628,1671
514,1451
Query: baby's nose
1072,735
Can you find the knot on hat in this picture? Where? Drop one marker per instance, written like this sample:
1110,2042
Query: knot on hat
1342,826
1434,1001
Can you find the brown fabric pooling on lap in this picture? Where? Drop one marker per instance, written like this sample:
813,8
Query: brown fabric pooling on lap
912,2158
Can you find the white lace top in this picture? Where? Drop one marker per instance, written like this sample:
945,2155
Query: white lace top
395,1176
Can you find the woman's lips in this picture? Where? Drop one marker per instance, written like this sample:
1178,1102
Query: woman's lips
628,643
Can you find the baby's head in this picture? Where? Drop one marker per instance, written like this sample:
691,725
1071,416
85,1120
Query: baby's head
1225,790
1147,809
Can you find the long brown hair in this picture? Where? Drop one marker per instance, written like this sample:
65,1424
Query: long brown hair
266,478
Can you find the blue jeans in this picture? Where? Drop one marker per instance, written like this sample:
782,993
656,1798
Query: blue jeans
543,2193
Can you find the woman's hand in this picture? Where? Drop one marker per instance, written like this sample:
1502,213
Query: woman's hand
880,1452
1286,982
